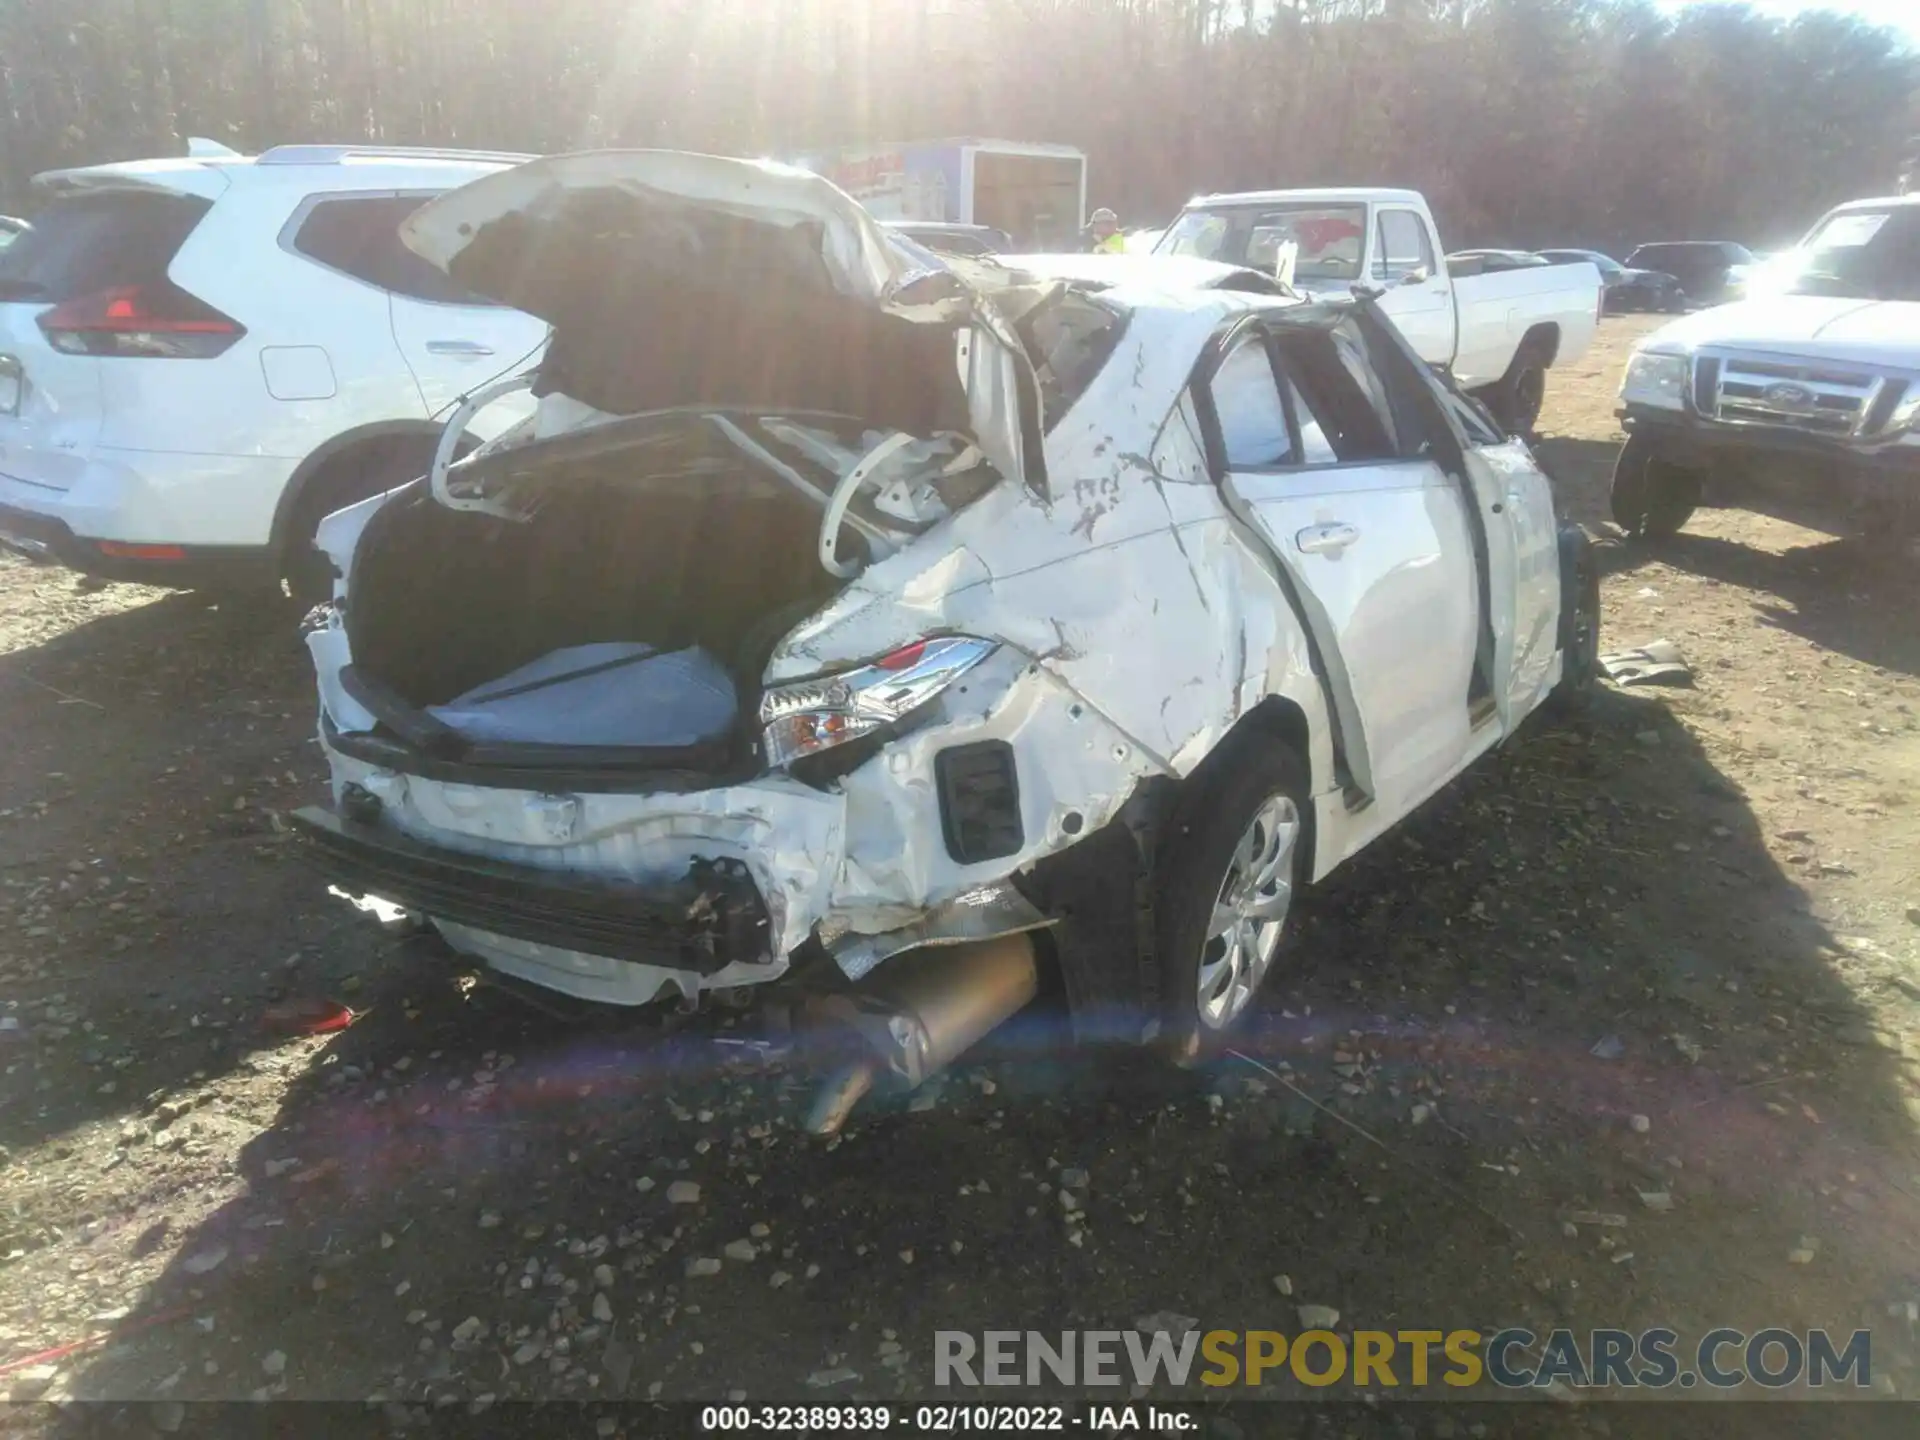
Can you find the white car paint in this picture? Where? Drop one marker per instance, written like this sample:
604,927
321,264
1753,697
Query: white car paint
1473,324
199,452
1139,605
1811,327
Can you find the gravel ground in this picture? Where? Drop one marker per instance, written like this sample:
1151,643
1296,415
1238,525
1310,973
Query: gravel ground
1659,965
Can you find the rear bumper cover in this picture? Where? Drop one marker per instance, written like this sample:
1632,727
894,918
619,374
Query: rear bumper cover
710,918
154,497
42,538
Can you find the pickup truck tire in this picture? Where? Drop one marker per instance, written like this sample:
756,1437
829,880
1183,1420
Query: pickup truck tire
1517,397
1652,497
1233,857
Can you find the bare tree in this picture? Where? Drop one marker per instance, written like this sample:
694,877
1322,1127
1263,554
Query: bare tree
1527,121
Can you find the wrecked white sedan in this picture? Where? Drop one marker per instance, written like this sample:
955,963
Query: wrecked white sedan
917,631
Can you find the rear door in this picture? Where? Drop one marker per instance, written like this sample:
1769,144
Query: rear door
1413,285
1374,546
87,243
1516,503
1512,521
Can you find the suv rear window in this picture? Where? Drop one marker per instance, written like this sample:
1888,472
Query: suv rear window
85,243
359,235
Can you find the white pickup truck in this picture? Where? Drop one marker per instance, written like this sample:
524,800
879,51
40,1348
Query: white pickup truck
1802,401
1497,333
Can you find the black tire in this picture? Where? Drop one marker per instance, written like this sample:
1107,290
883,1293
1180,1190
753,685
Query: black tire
1652,497
1517,398
367,472
1200,853
1579,622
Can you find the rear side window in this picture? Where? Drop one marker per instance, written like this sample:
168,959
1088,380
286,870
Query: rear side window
359,235
1069,340
1252,416
1404,247
87,243
1340,394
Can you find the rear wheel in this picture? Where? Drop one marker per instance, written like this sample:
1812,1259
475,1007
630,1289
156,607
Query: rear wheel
1517,399
1233,857
351,478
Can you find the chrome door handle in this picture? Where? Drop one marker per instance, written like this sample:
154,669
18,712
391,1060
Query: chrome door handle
458,347
1328,539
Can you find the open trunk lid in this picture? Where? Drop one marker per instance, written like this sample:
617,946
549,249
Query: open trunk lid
679,280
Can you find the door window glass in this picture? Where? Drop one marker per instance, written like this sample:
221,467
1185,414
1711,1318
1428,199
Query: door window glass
1350,424
1253,418
1403,248
1474,420
1315,447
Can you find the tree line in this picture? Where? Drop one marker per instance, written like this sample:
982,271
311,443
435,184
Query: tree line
1528,122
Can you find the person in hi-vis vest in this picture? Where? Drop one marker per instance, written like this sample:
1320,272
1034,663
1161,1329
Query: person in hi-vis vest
1104,235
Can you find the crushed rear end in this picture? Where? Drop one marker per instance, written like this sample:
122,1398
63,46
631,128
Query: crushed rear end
577,703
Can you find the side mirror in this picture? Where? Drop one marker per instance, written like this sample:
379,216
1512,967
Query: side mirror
1363,291
1419,275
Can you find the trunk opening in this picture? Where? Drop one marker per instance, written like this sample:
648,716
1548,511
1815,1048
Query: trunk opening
647,562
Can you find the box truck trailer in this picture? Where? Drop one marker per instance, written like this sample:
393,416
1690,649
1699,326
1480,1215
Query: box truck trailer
1036,193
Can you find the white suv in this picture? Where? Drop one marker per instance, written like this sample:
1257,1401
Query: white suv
200,357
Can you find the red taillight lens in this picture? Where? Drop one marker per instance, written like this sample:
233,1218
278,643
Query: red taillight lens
121,550
905,658
159,322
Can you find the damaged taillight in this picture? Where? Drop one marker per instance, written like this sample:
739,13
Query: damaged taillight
810,716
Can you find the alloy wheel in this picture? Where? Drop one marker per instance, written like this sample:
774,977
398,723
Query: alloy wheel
1249,914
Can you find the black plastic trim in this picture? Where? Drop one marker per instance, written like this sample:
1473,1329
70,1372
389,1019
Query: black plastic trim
546,768
959,771
709,919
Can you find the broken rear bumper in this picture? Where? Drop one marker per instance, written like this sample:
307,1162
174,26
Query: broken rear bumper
710,918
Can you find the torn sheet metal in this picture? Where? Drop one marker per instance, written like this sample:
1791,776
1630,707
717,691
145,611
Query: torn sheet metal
790,837
983,914
1658,662
1132,585
859,260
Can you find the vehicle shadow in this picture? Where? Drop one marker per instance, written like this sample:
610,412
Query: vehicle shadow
1831,592
1582,476
1576,986
152,741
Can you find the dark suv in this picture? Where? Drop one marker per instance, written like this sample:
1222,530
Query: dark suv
1711,272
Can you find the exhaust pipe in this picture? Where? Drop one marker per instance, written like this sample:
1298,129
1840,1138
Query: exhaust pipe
919,1013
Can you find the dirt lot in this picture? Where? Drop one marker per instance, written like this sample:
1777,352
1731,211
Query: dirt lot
1671,951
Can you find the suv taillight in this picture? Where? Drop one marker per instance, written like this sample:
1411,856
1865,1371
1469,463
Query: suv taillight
158,322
